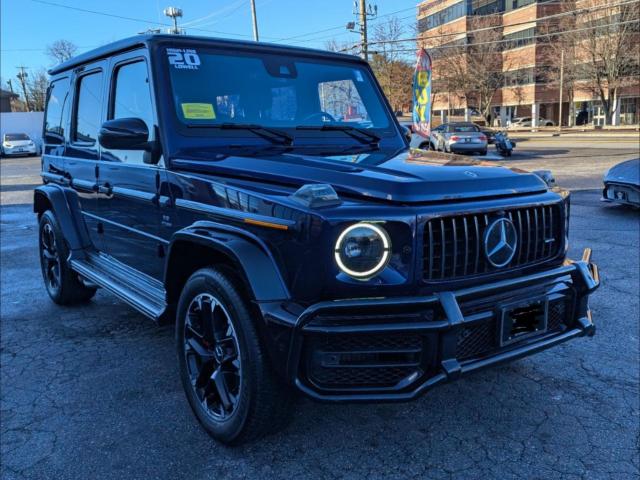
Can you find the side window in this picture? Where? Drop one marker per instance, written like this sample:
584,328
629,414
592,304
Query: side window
88,109
56,108
131,97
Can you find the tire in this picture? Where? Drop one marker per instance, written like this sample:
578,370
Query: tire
483,152
62,283
258,403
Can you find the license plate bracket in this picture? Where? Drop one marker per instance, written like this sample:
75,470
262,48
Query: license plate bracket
523,319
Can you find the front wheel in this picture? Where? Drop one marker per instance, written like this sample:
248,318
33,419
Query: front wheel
224,368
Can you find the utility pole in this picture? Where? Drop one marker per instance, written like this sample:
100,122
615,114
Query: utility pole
363,30
255,20
561,89
22,76
363,12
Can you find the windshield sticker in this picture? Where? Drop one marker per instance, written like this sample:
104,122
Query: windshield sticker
359,77
198,111
183,58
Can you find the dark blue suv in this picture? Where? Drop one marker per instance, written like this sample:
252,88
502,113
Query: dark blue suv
264,199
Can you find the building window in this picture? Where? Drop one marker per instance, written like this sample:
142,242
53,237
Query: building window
519,39
629,109
523,76
446,15
513,4
487,7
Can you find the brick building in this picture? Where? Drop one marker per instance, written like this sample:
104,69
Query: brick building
527,88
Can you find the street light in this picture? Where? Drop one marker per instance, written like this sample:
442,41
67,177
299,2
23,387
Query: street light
174,13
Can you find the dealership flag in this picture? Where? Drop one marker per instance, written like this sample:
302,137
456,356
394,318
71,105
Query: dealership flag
422,95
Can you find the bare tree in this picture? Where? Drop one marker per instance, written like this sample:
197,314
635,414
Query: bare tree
61,50
473,70
37,85
556,45
608,49
392,69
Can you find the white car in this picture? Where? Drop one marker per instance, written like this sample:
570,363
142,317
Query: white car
18,144
526,122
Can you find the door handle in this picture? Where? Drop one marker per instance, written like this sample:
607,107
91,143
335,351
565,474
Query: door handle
105,188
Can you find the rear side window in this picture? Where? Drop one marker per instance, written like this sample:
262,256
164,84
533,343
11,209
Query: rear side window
88,109
56,107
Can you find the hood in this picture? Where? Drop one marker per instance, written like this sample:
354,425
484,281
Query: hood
626,172
406,177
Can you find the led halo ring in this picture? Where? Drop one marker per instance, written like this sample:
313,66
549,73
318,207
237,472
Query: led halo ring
386,244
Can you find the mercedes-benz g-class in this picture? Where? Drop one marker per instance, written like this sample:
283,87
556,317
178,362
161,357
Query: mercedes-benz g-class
264,199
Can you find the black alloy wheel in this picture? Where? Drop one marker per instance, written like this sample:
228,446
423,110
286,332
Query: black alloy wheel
50,258
212,357
62,283
224,367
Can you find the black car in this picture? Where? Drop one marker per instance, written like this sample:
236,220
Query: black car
622,183
264,199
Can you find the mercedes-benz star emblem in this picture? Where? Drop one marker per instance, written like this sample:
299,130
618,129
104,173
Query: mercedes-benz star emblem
500,242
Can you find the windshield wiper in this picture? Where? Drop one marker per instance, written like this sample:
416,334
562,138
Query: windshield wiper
272,134
360,134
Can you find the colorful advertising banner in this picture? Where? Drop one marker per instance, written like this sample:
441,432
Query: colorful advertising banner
422,95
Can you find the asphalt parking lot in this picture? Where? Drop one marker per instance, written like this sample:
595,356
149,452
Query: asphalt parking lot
93,391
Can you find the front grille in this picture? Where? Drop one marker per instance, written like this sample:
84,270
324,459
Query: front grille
454,245
477,340
335,361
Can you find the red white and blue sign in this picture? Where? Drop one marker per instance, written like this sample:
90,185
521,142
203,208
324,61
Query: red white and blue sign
422,95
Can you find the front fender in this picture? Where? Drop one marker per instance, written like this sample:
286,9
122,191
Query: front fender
64,204
247,252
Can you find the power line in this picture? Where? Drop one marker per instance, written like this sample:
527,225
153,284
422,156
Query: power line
342,27
593,27
131,19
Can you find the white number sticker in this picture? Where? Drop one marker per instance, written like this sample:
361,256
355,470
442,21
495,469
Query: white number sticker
183,58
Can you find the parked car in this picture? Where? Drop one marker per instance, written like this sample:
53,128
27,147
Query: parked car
622,183
527,122
209,183
14,144
458,138
490,133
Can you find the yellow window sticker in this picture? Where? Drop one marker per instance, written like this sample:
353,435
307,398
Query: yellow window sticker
198,111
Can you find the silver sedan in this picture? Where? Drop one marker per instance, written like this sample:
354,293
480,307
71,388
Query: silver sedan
459,137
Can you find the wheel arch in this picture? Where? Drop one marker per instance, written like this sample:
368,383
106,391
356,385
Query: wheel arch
64,205
244,256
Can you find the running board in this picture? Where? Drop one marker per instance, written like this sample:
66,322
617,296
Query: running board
142,292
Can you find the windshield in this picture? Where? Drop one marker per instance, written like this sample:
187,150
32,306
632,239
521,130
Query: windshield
216,88
465,128
13,137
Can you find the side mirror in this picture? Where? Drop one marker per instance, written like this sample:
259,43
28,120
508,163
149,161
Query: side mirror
124,134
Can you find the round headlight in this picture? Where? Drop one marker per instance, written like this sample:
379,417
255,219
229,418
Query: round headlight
362,250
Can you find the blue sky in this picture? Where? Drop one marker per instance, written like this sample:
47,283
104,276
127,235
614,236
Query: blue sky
27,26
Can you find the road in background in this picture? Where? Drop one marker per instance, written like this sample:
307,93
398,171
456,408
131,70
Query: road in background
93,391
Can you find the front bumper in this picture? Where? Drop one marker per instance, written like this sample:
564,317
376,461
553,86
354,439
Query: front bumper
624,193
394,349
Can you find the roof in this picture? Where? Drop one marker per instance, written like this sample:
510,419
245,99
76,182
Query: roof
7,93
150,39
